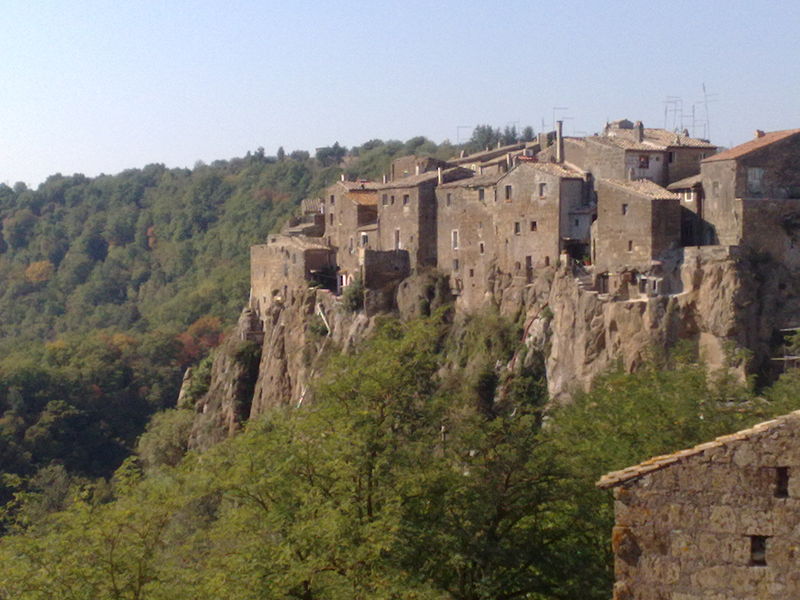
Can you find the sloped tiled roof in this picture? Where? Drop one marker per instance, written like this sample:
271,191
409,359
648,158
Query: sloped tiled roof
475,181
429,176
686,182
653,140
644,187
659,462
753,145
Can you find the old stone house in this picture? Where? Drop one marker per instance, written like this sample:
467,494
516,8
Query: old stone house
752,195
720,520
627,150
351,216
407,214
638,222
286,264
510,223
694,231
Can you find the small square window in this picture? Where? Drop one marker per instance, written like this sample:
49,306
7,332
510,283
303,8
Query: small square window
508,192
455,264
534,226
517,228
624,209
542,189
448,199
405,199
472,272
670,157
644,161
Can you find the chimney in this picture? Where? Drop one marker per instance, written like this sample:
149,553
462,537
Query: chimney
639,131
342,176
384,178
462,154
559,142
439,175
508,161
416,169
759,133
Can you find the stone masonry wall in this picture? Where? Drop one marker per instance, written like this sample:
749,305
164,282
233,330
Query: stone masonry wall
686,532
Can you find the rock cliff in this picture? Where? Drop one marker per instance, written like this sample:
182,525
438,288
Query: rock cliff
726,301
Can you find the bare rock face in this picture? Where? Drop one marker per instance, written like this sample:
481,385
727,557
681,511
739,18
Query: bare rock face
729,303
226,404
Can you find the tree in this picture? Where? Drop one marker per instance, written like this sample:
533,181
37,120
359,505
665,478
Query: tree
527,134
281,154
329,156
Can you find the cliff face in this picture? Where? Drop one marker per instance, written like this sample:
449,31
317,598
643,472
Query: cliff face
724,302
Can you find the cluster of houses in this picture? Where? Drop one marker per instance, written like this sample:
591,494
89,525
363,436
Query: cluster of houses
624,202
721,520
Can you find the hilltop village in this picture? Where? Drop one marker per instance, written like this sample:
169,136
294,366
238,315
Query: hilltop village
625,208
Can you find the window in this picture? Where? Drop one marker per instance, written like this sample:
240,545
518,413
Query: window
542,190
630,245
405,199
670,157
391,200
455,264
624,209
449,199
397,239
472,272
364,240
331,218
715,189
333,199
481,194
758,550
644,161
577,222
508,192
517,228
385,200
454,235
534,226
546,261
481,248
781,482
755,181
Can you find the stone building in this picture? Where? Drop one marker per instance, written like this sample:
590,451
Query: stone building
351,217
628,150
752,194
720,520
510,223
638,222
285,264
408,166
694,229
407,214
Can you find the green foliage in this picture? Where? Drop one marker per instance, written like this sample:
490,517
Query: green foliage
353,296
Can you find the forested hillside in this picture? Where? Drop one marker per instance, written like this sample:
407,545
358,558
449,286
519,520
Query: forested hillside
397,482
113,285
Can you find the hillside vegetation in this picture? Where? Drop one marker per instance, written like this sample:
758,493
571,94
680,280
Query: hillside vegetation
113,285
395,483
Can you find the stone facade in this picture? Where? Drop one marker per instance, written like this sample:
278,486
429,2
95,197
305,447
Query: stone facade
407,215
637,223
284,265
763,173
350,210
721,520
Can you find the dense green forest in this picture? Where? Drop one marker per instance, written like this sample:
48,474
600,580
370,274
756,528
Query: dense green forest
397,482
113,285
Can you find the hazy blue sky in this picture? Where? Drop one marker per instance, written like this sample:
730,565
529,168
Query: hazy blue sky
95,87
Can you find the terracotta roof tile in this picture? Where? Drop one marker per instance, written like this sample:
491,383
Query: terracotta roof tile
644,187
659,462
686,182
753,145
